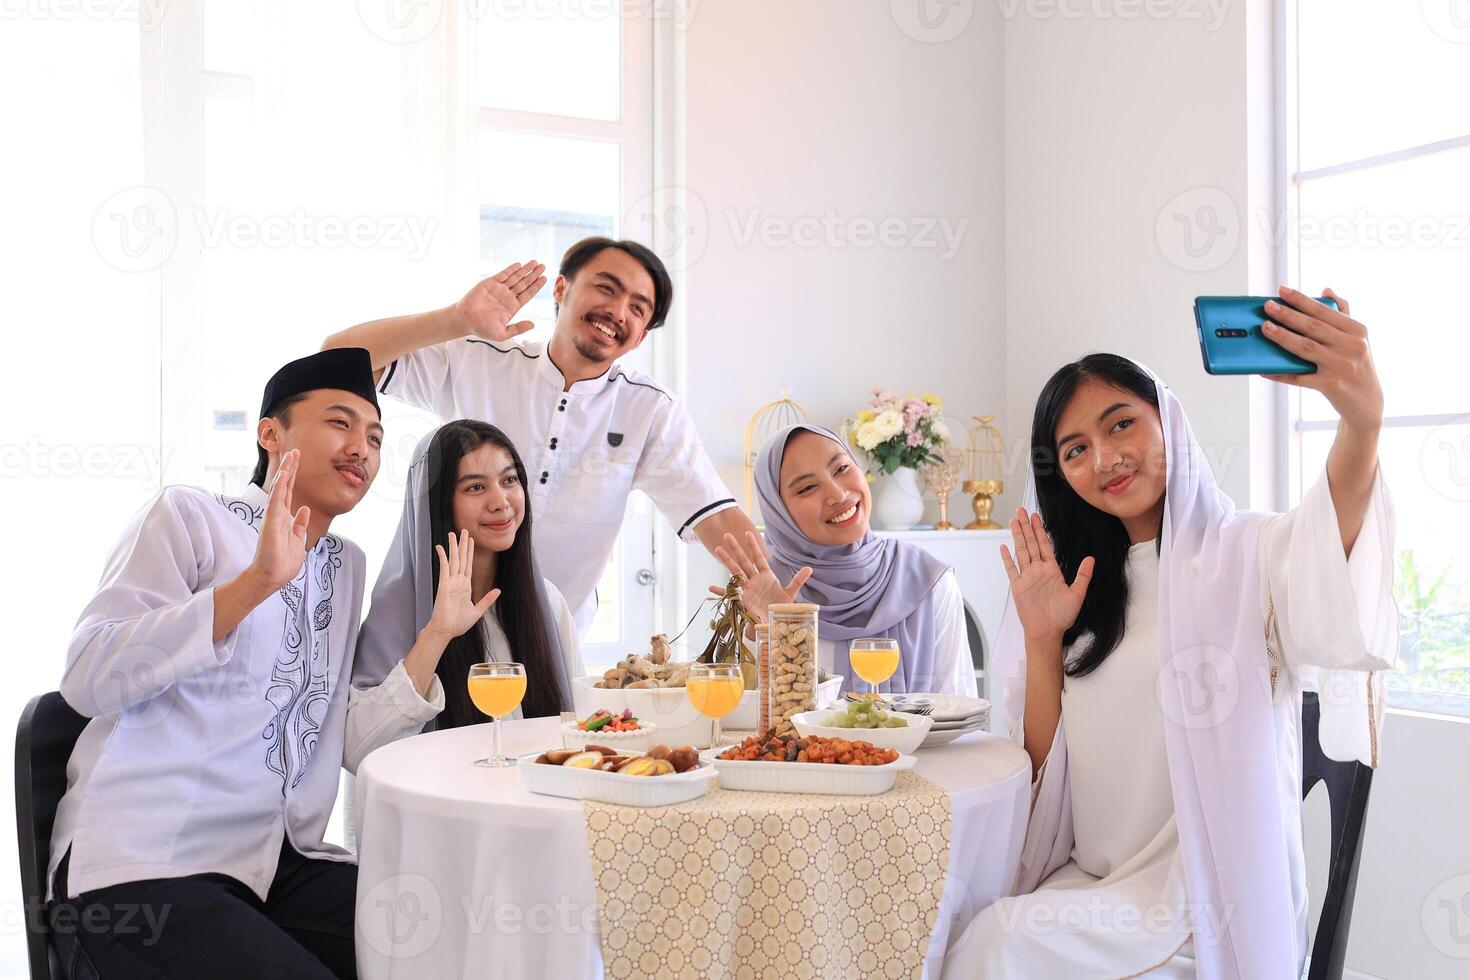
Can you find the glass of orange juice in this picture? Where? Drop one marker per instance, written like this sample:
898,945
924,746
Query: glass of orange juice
715,690
874,659
497,690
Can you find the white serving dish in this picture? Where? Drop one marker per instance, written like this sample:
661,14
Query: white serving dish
806,777
627,743
667,708
747,715
905,740
612,787
945,736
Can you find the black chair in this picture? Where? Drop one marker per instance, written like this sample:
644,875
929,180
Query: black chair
1347,794
48,730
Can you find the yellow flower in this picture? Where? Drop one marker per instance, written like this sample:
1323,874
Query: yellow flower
933,400
866,415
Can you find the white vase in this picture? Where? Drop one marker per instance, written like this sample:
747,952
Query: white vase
898,504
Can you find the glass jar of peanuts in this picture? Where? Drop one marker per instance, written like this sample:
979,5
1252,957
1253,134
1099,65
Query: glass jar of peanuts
792,663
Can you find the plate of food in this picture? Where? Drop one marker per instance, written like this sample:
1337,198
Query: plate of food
807,764
660,777
619,730
867,721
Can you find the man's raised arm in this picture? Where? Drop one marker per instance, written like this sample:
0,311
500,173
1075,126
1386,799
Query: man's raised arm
484,312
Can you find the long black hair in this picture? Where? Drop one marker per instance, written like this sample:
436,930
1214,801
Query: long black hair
1077,528
518,610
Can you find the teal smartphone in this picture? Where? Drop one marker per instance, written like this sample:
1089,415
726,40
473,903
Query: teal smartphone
1231,341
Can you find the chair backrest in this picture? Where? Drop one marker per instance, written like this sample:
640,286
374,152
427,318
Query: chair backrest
1347,796
47,732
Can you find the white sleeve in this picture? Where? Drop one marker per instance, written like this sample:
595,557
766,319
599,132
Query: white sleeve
385,713
954,668
1332,610
1335,619
676,472
149,625
566,631
425,378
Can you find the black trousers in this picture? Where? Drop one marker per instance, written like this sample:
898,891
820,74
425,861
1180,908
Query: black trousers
211,926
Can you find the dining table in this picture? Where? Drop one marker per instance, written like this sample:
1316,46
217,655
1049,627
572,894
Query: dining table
465,873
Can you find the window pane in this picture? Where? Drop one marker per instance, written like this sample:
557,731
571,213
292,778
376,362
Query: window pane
553,57
1428,474
1375,76
1395,240
539,195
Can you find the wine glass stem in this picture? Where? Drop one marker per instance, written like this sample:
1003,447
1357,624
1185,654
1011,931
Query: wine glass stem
496,757
714,732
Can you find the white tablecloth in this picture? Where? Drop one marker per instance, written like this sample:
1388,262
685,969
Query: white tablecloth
465,874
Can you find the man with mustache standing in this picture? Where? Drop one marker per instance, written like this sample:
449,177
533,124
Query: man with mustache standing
590,430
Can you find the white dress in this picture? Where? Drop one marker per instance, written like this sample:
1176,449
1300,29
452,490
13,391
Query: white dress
1118,907
953,665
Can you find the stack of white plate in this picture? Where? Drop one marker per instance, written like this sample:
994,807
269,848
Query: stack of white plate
954,715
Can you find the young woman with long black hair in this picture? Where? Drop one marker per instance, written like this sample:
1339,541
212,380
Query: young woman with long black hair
461,586
1152,663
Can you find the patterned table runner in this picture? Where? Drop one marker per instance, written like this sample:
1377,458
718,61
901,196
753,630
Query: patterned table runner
757,885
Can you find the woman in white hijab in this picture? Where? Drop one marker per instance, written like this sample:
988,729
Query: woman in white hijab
1158,694
475,594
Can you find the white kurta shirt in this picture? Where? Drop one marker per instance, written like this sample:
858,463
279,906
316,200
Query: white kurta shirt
1115,904
201,756
954,668
585,449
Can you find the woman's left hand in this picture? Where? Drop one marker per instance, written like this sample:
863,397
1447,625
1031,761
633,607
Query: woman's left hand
1338,345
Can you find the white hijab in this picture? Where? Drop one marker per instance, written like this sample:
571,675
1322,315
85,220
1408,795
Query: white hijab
1215,692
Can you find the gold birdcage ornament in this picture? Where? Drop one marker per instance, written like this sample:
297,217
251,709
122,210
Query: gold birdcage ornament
767,421
984,453
938,476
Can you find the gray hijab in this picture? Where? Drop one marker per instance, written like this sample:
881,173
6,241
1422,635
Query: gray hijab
874,587
403,596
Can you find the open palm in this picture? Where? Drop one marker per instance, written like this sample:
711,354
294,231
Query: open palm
487,309
1045,603
759,586
455,610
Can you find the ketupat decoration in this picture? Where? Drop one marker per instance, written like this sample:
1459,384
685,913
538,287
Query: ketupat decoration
727,645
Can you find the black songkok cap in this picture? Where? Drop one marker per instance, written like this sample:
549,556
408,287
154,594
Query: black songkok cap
344,368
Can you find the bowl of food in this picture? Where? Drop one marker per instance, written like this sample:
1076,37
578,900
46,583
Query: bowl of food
620,730
868,722
662,777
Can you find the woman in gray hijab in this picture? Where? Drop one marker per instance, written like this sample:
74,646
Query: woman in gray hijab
815,503
461,585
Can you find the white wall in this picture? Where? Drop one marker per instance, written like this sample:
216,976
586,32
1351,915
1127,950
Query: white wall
798,110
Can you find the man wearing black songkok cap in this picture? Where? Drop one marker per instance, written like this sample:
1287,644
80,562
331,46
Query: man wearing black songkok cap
215,665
